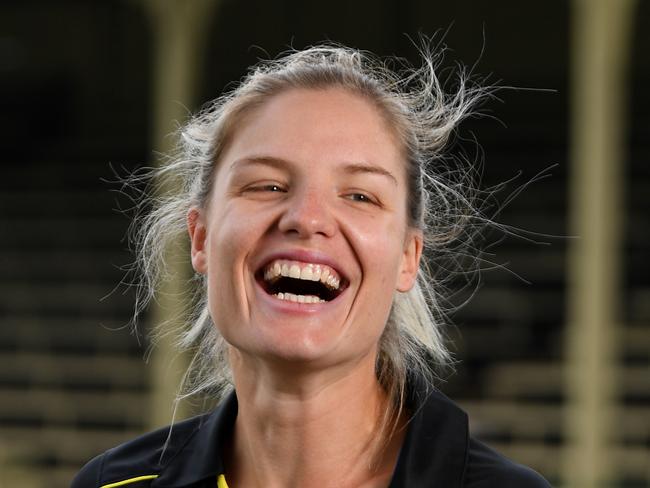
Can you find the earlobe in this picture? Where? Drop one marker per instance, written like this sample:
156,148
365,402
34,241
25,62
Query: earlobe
198,235
410,262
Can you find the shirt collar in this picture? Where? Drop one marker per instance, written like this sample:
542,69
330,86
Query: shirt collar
200,456
435,446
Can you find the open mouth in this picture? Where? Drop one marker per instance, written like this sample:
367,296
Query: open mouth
300,282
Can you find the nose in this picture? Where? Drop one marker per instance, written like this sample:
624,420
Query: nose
307,215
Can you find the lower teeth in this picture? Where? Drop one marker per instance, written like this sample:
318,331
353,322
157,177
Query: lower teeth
298,298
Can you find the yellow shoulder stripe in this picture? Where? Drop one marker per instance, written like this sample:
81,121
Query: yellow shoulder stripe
221,482
131,480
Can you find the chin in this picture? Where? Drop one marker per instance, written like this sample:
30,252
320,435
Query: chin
291,348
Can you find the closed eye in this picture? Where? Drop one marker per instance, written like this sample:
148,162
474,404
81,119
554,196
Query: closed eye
271,187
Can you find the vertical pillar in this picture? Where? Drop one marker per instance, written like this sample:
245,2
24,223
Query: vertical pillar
179,29
600,47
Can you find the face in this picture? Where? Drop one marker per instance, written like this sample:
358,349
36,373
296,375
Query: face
304,239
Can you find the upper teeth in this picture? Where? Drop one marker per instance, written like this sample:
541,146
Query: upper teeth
302,271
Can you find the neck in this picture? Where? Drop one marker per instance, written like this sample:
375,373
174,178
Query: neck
309,429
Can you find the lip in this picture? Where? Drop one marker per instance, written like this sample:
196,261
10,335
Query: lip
305,256
294,308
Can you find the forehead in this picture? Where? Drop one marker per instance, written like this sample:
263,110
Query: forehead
325,126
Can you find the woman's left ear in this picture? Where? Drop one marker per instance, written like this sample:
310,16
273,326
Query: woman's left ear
410,261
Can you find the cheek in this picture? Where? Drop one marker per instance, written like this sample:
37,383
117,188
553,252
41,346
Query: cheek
229,243
379,254
380,246
232,233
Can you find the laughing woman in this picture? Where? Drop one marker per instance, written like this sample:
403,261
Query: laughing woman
310,194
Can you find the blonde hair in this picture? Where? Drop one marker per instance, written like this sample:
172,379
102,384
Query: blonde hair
440,201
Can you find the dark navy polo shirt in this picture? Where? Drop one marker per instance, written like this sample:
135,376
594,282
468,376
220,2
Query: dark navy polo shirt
437,452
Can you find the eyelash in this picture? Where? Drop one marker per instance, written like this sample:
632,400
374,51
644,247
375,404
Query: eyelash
271,187
357,196
363,198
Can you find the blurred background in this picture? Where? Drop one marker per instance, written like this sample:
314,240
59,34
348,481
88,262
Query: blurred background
554,356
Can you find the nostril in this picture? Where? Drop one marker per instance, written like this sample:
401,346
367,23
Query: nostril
307,214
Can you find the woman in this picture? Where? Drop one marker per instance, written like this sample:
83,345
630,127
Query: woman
311,192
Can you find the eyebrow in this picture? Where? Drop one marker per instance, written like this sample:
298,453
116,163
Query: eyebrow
356,168
349,168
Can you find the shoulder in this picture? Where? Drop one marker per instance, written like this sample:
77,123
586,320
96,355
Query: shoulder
486,468
439,451
137,461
